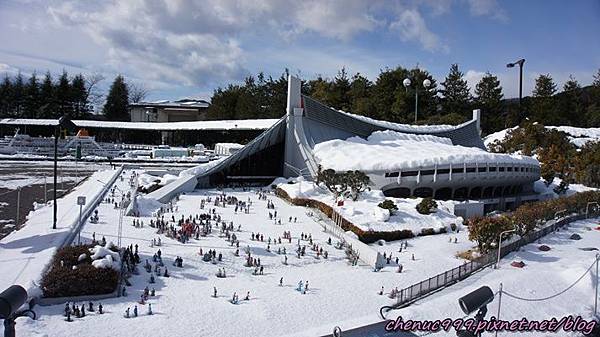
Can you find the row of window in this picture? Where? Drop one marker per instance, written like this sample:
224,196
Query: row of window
462,170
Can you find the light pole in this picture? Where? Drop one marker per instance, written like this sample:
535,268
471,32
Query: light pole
121,213
500,245
81,203
426,84
63,122
511,65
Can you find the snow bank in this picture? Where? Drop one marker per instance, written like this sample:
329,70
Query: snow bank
147,206
390,150
147,180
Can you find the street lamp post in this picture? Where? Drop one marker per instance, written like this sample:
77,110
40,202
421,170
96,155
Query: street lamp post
63,122
426,84
511,65
121,212
500,245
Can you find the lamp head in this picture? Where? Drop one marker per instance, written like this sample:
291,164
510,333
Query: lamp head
426,83
406,82
510,65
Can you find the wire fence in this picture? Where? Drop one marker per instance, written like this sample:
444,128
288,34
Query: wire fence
416,291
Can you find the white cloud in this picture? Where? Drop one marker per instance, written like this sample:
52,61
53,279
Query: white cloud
487,8
473,77
412,27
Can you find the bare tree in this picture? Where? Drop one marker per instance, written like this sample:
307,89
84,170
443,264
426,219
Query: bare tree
94,95
137,92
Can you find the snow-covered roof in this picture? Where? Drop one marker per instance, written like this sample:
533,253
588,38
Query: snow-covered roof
405,127
241,124
391,150
184,103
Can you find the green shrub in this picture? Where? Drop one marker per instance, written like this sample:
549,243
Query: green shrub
389,205
427,206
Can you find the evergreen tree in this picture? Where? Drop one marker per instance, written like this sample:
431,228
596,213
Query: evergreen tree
488,97
5,97
570,107
592,113
456,96
359,95
390,98
543,107
116,106
79,96
63,96
47,98
338,96
18,96
32,94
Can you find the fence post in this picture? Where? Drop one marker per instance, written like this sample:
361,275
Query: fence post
18,207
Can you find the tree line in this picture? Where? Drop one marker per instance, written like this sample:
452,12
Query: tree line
448,102
386,98
74,96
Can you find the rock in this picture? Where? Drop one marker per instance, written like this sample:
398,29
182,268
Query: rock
381,242
544,248
575,236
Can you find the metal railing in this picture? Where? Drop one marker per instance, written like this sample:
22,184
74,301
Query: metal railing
419,290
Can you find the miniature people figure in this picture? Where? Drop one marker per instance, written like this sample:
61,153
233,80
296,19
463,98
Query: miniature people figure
413,257
152,292
247,298
381,291
215,292
67,309
69,316
127,313
91,306
100,308
281,282
82,310
149,308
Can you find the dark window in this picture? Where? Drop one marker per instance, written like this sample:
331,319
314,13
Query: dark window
391,174
501,168
444,171
522,169
423,192
509,169
427,172
400,192
410,174
458,170
492,168
481,169
516,169
470,169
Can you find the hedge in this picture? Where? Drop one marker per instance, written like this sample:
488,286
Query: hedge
364,236
64,281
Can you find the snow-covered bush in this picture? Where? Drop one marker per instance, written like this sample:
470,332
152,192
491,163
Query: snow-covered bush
388,204
427,206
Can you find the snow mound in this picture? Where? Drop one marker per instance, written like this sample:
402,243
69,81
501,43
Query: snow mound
105,263
81,257
390,150
380,214
99,252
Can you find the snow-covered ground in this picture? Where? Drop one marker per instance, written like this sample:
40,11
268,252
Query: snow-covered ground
339,294
26,252
365,213
184,306
577,136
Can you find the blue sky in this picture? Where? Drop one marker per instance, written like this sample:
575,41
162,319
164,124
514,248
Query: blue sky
182,48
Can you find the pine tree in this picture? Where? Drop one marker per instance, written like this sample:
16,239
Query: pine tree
488,97
116,106
570,107
592,113
456,95
5,97
32,94
79,96
359,95
47,98
543,109
18,96
63,96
